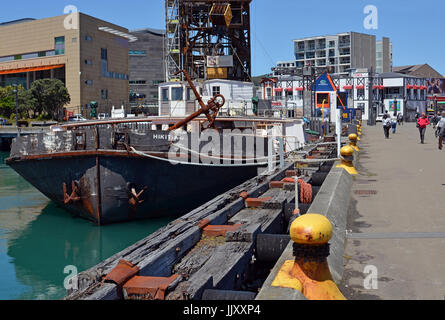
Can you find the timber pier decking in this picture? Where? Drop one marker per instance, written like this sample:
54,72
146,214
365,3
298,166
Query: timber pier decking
223,250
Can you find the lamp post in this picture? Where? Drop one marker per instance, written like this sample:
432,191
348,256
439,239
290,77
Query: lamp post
16,92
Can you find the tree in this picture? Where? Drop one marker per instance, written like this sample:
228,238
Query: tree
7,102
50,96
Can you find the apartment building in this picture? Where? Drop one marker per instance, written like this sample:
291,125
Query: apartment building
384,56
89,55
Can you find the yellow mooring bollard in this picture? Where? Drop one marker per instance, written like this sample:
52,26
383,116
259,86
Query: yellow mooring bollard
353,142
309,273
347,154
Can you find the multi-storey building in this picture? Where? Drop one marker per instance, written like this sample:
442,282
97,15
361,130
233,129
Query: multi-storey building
339,53
147,67
384,56
90,56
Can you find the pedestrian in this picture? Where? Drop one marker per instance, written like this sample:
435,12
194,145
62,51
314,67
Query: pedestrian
386,125
400,119
394,124
422,123
440,127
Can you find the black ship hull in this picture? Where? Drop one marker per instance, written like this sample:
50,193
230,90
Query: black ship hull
116,186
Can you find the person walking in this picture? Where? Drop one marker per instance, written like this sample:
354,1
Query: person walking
386,125
422,123
394,124
440,130
400,119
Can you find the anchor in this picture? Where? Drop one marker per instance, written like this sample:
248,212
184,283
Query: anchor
135,199
210,110
75,194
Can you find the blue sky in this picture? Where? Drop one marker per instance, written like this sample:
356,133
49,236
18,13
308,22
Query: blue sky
415,28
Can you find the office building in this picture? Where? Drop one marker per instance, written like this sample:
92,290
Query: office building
147,67
90,56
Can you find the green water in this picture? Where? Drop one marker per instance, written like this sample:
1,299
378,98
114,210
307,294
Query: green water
38,240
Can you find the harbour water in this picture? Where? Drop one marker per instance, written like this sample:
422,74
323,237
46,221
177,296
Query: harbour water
38,240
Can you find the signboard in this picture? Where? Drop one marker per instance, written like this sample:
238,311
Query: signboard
324,83
393,104
219,61
342,104
436,87
217,73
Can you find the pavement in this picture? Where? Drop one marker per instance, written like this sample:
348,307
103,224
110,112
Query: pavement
396,225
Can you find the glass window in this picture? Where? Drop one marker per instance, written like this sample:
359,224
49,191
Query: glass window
216,90
177,94
137,52
89,82
60,45
164,94
42,54
190,94
18,57
104,94
104,54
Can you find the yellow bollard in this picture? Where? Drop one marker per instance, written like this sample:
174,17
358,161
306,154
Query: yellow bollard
347,154
309,273
353,144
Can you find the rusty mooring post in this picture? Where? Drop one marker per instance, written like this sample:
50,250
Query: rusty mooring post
309,273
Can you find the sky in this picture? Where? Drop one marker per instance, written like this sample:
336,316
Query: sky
415,28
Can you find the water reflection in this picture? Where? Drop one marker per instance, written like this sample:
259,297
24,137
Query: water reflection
38,239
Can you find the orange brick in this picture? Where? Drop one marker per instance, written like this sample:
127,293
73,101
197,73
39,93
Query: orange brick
148,288
203,223
291,173
276,185
220,231
256,202
244,195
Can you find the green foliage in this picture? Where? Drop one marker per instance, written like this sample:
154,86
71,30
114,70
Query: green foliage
50,96
45,100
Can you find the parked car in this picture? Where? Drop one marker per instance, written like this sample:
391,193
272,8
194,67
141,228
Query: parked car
76,118
103,116
379,118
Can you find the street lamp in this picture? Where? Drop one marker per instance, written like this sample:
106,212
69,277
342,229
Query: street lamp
16,91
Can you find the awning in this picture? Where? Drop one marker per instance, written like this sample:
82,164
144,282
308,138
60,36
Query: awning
348,87
289,89
22,70
278,89
299,89
360,87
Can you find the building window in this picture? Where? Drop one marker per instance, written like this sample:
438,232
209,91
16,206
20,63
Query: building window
18,57
74,40
138,52
89,82
138,82
177,94
41,54
190,95
268,92
165,94
88,38
60,45
104,54
88,62
104,94
216,91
